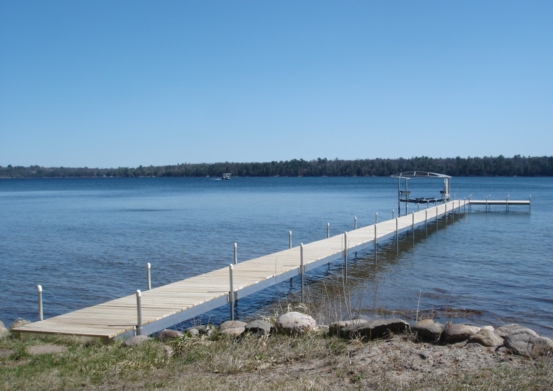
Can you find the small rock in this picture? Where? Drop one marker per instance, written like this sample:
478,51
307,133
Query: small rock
375,329
193,331
135,341
428,331
336,327
45,349
18,323
295,323
259,327
206,330
454,333
504,331
322,330
526,344
169,334
486,337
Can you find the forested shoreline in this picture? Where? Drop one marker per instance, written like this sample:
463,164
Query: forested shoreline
477,166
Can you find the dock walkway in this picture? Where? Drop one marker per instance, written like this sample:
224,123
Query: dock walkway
171,304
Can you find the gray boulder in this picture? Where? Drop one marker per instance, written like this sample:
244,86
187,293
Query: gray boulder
336,327
375,329
514,328
526,344
486,337
167,334
135,341
295,323
428,331
259,327
234,328
454,333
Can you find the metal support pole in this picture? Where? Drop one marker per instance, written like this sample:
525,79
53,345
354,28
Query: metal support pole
445,213
397,236
40,312
393,213
426,221
355,222
302,271
376,218
345,246
138,312
149,275
375,245
328,230
413,225
235,253
231,292
507,202
290,239
418,206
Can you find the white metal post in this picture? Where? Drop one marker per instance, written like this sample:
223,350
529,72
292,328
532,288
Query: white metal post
301,271
138,312
376,218
290,239
375,245
231,292
355,222
328,230
235,253
397,235
40,312
149,275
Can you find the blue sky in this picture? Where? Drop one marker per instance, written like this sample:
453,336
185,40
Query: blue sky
128,83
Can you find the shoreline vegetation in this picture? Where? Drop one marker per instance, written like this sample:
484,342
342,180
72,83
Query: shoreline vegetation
290,351
471,166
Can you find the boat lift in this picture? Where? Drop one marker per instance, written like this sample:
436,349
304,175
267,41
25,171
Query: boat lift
404,195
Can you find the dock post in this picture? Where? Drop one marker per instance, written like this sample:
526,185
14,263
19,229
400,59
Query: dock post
149,275
235,253
487,203
445,213
426,221
355,222
530,203
40,312
302,272
413,225
397,236
376,218
231,292
328,230
393,213
375,246
138,312
507,203
290,239
437,220
418,206
345,246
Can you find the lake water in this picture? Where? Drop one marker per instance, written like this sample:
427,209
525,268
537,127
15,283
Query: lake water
87,241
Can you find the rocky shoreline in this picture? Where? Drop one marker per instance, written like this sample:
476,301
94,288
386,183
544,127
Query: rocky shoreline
382,350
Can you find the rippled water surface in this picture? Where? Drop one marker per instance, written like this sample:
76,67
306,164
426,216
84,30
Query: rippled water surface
88,240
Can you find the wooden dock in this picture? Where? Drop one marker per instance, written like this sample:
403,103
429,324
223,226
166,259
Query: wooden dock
171,304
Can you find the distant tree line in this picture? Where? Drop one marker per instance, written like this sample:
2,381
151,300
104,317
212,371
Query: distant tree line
484,166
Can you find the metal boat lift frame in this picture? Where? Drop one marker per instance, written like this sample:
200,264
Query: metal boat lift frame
403,195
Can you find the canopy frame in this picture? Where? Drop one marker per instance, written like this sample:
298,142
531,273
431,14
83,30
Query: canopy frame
404,195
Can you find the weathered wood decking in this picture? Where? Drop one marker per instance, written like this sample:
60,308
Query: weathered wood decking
170,304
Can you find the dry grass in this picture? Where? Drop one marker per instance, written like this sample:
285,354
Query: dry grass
308,362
